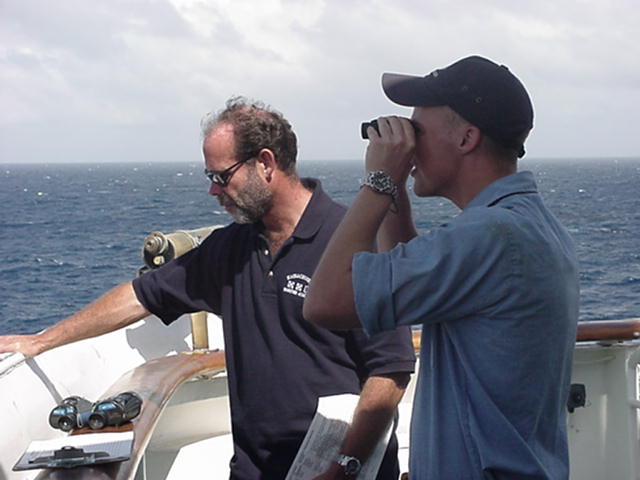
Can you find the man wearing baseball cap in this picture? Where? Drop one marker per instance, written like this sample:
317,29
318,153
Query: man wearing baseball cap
495,290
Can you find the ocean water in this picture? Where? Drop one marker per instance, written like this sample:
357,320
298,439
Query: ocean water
70,232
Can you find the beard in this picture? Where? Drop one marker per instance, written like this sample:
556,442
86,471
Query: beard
251,203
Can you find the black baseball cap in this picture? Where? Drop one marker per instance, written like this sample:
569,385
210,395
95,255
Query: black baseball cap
482,92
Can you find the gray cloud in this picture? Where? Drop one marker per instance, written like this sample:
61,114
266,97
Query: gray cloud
129,80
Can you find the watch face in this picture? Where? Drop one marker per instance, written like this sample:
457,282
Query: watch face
380,182
352,467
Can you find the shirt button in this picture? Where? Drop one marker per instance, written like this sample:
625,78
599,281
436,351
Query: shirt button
270,273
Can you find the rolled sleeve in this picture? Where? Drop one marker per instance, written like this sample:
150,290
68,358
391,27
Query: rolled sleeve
462,267
371,280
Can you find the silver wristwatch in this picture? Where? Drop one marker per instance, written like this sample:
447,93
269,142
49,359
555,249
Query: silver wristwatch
350,465
380,182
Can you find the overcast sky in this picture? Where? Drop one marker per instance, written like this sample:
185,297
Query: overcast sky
117,80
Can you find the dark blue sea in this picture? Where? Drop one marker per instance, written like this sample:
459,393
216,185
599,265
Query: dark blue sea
70,232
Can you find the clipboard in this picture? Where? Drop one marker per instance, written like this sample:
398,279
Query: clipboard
77,450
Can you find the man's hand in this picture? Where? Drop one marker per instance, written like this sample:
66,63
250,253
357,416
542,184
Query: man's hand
392,150
27,345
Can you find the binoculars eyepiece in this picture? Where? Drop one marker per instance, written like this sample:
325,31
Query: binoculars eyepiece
76,412
73,412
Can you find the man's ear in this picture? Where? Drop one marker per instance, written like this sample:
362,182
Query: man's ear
470,138
266,163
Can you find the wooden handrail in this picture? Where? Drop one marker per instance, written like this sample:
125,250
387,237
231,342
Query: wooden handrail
155,382
628,329
591,331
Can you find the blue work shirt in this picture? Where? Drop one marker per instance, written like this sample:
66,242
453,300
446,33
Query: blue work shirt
496,292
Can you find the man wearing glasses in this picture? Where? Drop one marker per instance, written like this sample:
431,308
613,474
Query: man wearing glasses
254,274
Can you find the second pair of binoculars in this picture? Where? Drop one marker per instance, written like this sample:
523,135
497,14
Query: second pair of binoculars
374,124
77,412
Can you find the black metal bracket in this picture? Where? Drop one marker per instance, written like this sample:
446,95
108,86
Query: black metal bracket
577,397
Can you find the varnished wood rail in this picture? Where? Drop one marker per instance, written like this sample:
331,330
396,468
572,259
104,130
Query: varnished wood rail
592,331
628,329
155,382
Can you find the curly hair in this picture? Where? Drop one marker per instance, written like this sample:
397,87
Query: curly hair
256,126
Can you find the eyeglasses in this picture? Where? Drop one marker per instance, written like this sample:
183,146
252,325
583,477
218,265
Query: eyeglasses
223,177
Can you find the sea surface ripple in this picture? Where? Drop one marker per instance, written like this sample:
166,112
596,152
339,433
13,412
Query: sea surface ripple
70,232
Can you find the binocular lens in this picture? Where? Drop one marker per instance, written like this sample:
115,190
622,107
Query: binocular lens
96,421
374,124
65,424
365,126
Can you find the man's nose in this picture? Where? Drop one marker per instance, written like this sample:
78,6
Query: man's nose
215,189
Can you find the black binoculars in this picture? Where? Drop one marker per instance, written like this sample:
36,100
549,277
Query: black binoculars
374,124
76,412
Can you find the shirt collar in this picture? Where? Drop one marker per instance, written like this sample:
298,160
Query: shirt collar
516,183
313,215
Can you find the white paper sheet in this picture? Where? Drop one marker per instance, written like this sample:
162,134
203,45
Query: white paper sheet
326,433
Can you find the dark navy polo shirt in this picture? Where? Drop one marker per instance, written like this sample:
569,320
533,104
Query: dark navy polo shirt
278,364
